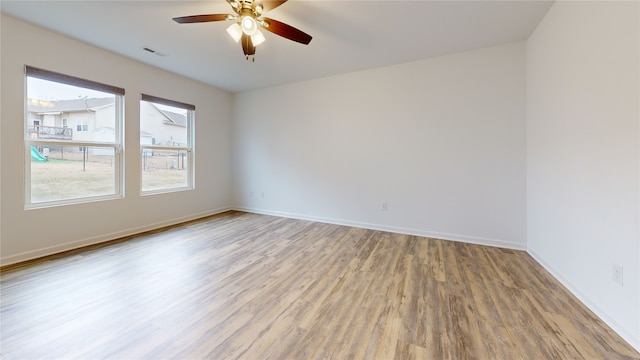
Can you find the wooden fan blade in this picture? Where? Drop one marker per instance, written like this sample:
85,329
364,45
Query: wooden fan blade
201,18
247,45
286,31
270,5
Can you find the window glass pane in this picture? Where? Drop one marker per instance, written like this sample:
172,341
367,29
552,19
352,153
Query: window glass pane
65,112
164,169
69,172
73,136
166,128
163,125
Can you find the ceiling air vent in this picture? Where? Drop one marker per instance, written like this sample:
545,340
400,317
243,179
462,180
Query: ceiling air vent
152,51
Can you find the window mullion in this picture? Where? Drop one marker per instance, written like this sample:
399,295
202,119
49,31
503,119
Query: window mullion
72,143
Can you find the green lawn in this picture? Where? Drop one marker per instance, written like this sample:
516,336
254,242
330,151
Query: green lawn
68,179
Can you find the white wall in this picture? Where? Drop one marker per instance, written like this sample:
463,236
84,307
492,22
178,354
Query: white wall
442,141
583,158
27,234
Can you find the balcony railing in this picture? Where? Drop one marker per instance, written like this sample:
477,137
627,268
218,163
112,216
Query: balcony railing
51,132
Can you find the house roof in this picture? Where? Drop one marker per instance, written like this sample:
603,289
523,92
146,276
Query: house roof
172,117
41,106
176,119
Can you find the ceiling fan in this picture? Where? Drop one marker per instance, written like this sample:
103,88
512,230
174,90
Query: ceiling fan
247,18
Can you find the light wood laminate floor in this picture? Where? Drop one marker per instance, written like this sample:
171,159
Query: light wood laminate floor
247,286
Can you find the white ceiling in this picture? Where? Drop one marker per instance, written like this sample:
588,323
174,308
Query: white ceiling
347,35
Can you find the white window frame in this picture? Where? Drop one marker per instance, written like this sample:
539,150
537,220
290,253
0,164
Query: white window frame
117,145
189,148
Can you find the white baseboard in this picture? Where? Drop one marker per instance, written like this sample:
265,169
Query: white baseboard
394,229
627,335
30,255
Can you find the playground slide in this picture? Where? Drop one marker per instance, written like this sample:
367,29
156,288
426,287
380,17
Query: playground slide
35,155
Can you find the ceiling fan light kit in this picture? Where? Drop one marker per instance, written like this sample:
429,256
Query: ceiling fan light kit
249,25
235,31
257,38
248,19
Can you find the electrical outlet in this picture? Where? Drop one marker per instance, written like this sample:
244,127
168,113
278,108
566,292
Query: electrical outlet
617,273
383,207
262,194
250,194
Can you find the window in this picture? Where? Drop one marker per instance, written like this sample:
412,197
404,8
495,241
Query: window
64,166
166,145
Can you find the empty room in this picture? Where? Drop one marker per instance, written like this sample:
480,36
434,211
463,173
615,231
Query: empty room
308,179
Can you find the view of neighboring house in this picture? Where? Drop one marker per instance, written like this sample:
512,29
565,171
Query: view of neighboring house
165,127
68,119
91,119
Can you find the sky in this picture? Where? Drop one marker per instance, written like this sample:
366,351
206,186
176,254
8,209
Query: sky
51,91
